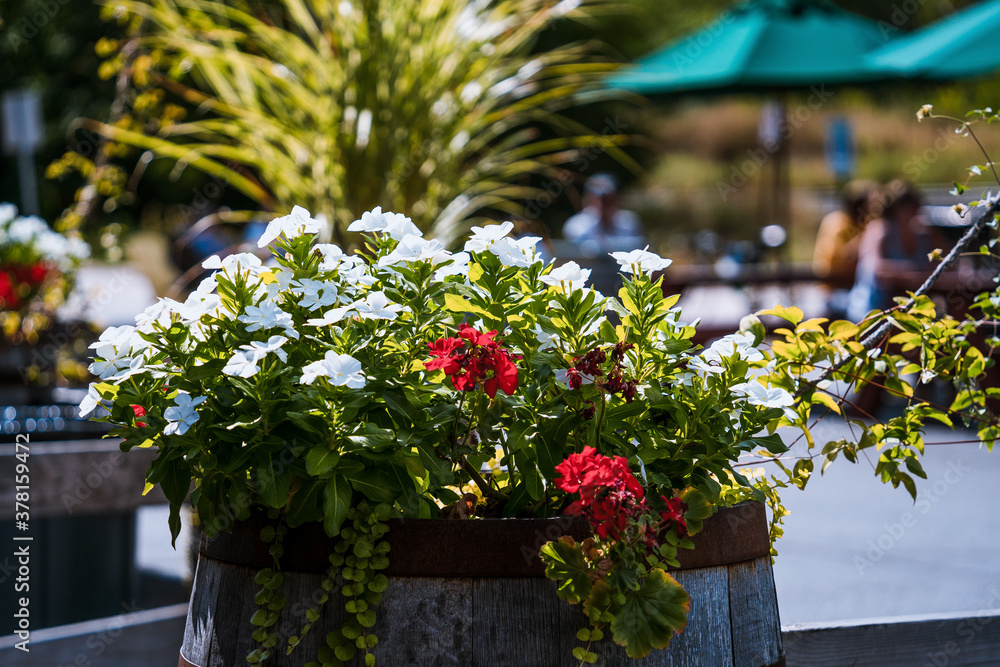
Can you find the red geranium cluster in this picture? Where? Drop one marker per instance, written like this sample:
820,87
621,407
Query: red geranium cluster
611,497
474,359
14,278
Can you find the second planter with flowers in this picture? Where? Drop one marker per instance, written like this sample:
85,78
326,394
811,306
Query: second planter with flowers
342,393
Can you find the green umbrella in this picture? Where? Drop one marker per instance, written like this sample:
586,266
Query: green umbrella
762,45
953,48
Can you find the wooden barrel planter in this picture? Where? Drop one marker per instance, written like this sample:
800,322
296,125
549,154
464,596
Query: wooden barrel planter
473,594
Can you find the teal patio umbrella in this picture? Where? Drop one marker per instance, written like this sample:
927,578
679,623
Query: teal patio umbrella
765,46
958,46
762,45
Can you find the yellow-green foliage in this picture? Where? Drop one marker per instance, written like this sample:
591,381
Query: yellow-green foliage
438,108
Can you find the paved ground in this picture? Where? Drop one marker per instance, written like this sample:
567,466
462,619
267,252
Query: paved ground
855,548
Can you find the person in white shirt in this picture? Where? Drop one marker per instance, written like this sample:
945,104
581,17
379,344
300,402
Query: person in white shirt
603,226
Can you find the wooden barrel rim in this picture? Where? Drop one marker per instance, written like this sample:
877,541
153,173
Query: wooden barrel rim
183,662
483,547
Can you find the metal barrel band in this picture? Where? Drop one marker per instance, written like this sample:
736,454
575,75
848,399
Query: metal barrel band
482,547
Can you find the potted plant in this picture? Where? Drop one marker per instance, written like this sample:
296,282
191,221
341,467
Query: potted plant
408,381
37,266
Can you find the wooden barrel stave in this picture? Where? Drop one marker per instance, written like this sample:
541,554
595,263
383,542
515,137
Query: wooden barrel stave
474,621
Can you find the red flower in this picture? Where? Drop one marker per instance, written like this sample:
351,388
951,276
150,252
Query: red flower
474,359
574,468
674,515
139,412
9,298
610,495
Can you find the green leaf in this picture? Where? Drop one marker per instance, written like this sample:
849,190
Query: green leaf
772,443
566,565
792,314
321,460
174,522
376,485
272,486
650,616
305,505
456,304
698,509
336,501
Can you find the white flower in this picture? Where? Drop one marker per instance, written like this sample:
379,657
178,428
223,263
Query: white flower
737,343
342,370
519,252
459,266
768,397
641,261
242,364
7,213
109,360
544,338
569,275
334,316
705,366
377,306
268,316
294,224
115,336
395,225
413,248
273,344
332,256
181,416
90,401
316,293
484,237
136,366
243,262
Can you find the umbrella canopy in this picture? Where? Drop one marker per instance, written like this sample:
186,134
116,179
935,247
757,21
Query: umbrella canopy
958,46
762,45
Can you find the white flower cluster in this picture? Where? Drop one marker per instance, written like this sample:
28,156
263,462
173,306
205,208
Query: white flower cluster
345,288
38,239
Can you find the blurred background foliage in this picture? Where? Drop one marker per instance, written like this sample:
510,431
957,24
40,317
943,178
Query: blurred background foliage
67,52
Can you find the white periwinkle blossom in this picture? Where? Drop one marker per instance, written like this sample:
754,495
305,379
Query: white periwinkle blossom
516,252
182,415
483,238
413,248
396,225
316,293
268,316
641,261
377,306
243,262
768,397
569,275
295,224
90,401
341,370
245,362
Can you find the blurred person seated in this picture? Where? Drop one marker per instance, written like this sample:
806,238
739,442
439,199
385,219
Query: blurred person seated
835,259
603,226
893,252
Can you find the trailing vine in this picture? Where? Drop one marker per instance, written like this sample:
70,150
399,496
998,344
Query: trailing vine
269,599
